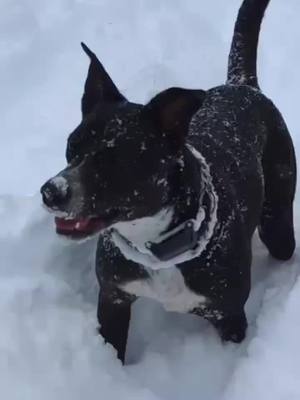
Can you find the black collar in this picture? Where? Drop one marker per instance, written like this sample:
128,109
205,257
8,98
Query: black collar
180,239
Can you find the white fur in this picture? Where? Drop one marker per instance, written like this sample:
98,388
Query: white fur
143,230
166,286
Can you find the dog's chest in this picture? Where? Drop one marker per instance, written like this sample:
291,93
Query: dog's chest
166,286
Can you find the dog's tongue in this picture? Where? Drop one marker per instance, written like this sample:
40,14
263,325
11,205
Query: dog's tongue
81,225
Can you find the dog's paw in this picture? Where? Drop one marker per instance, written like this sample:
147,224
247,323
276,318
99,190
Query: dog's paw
233,328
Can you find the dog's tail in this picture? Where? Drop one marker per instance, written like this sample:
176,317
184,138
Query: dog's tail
243,54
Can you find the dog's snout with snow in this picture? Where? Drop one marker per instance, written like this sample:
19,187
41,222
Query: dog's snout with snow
56,193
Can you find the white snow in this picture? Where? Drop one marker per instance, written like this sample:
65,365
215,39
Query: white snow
48,343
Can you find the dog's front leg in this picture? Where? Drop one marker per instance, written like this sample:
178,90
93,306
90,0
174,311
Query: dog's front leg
114,309
231,327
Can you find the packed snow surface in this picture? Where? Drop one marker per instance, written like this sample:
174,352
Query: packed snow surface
49,348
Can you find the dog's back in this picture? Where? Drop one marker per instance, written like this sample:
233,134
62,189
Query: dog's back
245,140
230,130
231,126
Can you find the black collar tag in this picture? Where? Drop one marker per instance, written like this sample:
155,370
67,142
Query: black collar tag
176,244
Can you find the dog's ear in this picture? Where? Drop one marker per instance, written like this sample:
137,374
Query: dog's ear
98,85
172,110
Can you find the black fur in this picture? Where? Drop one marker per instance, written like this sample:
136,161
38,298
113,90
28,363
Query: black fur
128,161
243,54
98,85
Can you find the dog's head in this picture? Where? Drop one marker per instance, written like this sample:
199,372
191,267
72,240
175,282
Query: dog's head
122,159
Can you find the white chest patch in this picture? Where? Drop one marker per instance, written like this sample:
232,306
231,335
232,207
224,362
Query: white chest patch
166,286
142,230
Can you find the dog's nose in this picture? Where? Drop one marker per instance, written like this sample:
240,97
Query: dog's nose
55,192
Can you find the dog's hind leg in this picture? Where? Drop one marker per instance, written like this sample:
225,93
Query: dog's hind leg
276,228
114,310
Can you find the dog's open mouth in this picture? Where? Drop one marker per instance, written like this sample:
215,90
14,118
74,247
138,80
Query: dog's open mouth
84,227
79,228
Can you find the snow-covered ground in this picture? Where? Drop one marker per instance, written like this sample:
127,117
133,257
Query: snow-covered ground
48,343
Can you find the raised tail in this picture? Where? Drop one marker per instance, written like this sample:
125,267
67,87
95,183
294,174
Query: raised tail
243,54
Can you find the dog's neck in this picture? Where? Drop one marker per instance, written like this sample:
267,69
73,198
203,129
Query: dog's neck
188,186
143,230
194,204
182,206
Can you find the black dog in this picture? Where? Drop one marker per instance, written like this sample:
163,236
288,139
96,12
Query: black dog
177,188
